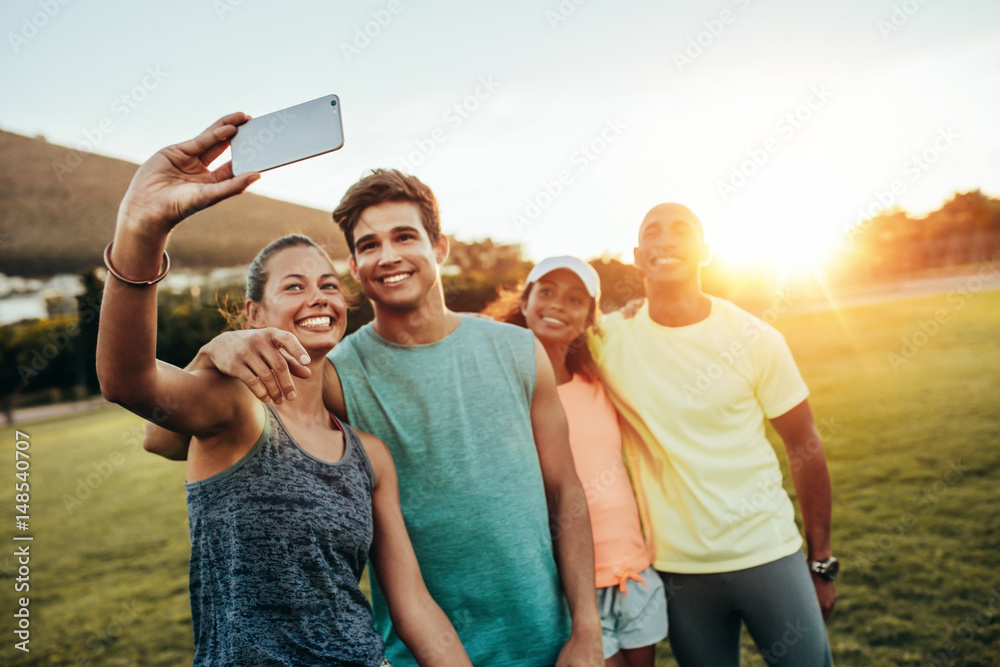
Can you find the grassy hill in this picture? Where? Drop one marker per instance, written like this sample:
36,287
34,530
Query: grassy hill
58,209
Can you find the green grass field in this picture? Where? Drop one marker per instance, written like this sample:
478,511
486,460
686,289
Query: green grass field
906,396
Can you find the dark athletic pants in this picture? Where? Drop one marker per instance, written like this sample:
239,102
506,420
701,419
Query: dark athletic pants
777,601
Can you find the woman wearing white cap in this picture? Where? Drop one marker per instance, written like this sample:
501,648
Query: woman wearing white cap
559,304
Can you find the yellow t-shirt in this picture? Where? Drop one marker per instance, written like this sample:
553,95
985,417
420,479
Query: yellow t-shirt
693,401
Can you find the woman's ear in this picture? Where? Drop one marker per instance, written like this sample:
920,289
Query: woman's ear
255,318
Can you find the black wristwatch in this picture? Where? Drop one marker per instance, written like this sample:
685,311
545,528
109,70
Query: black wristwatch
825,569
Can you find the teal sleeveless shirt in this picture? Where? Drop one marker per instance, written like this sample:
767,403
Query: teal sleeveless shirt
456,416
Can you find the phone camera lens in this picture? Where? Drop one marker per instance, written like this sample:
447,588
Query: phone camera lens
333,103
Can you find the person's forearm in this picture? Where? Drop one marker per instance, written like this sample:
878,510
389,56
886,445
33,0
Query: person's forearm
162,442
573,543
169,445
126,337
813,489
810,475
428,634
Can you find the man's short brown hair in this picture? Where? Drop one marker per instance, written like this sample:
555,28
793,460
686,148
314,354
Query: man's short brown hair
379,187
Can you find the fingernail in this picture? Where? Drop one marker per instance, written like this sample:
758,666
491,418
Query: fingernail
305,359
291,395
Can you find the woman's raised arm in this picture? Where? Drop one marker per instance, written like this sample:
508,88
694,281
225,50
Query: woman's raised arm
170,186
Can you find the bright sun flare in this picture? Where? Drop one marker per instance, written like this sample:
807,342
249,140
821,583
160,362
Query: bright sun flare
786,244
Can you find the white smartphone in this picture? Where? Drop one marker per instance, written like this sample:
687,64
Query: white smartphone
296,133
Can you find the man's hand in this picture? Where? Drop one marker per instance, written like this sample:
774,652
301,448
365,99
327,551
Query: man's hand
263,359
630,309
584,649
826,591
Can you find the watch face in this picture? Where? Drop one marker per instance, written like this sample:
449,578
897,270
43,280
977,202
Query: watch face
827,569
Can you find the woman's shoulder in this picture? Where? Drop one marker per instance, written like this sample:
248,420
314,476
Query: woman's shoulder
376,451
242,412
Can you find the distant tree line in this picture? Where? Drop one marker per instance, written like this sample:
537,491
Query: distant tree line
54,358
965,230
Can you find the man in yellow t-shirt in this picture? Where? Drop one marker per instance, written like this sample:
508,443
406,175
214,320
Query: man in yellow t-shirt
694,378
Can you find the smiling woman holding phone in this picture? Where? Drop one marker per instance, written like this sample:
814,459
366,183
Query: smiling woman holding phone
285,502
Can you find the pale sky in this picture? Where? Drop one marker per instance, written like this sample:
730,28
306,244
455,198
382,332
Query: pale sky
552,124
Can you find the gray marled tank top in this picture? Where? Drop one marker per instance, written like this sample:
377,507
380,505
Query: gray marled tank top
278,544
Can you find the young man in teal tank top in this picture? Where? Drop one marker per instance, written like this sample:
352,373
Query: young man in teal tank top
469,410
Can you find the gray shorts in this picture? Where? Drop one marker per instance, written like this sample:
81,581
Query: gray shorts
635,619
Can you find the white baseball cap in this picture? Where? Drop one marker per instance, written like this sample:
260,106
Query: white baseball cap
584,271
